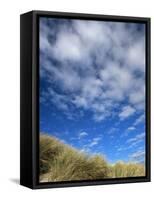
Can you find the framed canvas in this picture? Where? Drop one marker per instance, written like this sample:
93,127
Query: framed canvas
85,99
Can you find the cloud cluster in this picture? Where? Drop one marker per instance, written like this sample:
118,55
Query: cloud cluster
138,156
140,119
136,140
94,66
93,142
126,112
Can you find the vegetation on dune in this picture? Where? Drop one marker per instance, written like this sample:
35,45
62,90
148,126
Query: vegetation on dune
60,162
122,169
50,148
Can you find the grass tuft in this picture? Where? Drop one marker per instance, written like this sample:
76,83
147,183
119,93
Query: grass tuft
60,162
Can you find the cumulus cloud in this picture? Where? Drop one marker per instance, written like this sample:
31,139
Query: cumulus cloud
93,66
68,46
131,128
140,119
135,58
82,134
126,112
59,100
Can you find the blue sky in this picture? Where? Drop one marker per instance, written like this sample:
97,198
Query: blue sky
92,86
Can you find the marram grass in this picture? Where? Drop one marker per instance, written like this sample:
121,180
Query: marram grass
60,162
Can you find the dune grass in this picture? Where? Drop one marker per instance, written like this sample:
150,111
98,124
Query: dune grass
60,162
122,169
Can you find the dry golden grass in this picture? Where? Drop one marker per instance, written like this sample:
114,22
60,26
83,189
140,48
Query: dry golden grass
122,169
60,162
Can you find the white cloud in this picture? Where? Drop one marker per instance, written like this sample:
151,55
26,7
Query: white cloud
137,139
98,117
95,66
90,31
139,120
135,53
137,96
64,75
132,143
126,112
82,134
94,141
68,46
87,147
120,77
131,128
59,100
138,156
80,101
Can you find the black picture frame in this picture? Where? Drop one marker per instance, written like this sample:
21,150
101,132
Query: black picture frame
29,99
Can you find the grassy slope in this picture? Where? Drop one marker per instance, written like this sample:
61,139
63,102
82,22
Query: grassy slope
60,162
